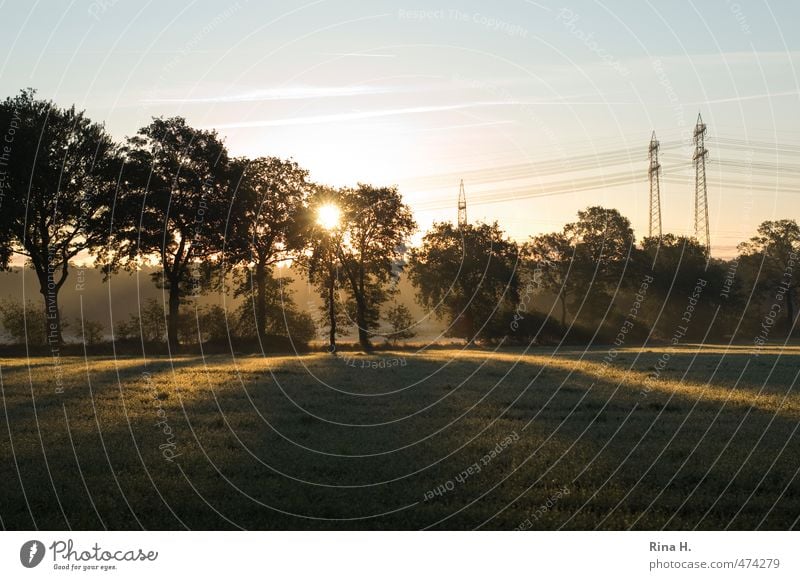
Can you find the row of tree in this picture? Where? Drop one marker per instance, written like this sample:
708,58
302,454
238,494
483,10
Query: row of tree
591,282
173,197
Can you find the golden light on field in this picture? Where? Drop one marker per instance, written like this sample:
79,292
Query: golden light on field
328,216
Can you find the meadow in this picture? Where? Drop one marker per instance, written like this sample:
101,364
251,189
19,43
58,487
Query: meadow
441,439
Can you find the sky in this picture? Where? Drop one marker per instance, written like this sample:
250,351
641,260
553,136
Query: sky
542,108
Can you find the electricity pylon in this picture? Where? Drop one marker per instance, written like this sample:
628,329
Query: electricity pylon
655,189
701,229
462,206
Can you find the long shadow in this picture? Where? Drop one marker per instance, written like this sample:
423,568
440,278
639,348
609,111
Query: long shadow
281,450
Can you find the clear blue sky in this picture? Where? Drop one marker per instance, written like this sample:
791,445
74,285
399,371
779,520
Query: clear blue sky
422,94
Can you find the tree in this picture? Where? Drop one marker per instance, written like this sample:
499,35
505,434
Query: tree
91,331
401,322
376,225
676,264
269,200
550,259
281,314
147,324
771,259
174,209
603,241
24,324
321,257
360,251
58,175
466,274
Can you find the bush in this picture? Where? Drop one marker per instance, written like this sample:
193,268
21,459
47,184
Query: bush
399,318
90,331
151,327
24,325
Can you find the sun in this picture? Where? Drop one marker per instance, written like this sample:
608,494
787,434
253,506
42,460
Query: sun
328,216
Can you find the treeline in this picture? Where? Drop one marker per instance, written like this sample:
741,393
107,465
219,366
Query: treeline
171,196
592,283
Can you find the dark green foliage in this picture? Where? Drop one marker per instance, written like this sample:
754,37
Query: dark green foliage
466,276
174,208
60,175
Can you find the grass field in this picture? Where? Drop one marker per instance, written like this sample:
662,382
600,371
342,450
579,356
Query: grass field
445,439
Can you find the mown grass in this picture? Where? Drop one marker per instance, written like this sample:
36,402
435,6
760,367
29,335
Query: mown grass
314,442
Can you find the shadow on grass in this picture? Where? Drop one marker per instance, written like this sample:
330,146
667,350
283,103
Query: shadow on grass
283,450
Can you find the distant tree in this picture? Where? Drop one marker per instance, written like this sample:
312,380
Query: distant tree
281,314
24,324
677,264
466,274
269,200
146,324
213,323
336,313
603,241
770,258
376,225
401,323
550,259
174,209
90,331
58,178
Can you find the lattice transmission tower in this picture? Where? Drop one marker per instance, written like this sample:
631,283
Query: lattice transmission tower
701,229
655,189
462,206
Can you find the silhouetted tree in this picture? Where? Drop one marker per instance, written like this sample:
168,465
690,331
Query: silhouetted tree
321,257
466,274
401,323
269,199
376,225
146,324
770,259
679,267
58,175
174,208
281,315
603,240
550,258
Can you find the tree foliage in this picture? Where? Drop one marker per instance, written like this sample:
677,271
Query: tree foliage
466,275
269,200
58,180
770,261
175,207
401,323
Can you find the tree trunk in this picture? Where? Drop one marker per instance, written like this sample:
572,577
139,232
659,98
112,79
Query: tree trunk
332,316
261,298
361,321
563,310
172,318
49,288
52,317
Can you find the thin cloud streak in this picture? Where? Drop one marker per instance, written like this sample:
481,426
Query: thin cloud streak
341,117
749,98
281,94
365,54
